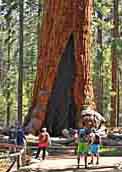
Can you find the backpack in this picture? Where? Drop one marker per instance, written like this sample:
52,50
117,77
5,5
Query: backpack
83,135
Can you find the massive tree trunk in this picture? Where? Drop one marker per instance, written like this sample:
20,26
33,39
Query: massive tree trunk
113,120
63,71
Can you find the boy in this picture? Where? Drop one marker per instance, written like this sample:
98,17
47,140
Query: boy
95,146
83,146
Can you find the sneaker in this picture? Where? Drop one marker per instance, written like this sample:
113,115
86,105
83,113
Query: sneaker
91,162
78,166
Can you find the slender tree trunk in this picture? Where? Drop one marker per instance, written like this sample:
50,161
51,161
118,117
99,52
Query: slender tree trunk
8,109
113,120
20,67
8,80
1,64
118,96
38,24
99,69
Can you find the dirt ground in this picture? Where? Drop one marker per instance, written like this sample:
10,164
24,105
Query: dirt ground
69,164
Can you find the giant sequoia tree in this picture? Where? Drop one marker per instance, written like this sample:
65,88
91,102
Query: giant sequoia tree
63,80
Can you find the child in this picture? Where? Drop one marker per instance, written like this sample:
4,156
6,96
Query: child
83,146
44,141
94,147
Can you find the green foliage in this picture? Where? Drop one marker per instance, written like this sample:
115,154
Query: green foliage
102,62
9,28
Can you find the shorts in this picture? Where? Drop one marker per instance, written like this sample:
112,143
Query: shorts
82,148
94,148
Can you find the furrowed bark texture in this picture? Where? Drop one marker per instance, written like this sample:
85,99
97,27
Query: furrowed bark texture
65,34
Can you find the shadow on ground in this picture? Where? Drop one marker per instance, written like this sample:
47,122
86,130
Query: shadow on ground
81,169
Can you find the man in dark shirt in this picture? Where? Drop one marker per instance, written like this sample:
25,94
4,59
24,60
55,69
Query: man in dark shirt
12,138
20,136
12,135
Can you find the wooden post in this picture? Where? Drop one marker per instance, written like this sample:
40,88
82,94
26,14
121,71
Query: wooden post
18,162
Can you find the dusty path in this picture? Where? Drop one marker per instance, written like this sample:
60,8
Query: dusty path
69,164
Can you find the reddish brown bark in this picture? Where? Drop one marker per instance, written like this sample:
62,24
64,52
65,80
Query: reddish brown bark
62,18
113,120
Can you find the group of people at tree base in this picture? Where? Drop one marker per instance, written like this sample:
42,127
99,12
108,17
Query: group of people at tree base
88,143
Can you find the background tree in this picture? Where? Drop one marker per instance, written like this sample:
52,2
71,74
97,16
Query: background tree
8,37
99,60
115,34
20,66
30,53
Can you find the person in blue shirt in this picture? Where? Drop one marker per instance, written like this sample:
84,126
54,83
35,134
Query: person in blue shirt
20,136
94,146
83,145
12,135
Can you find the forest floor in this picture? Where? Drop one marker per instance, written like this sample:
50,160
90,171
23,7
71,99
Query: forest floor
68,163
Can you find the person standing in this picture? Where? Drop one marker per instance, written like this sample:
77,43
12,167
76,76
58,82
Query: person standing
12,138
83,146
20,136
44,141
95,146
